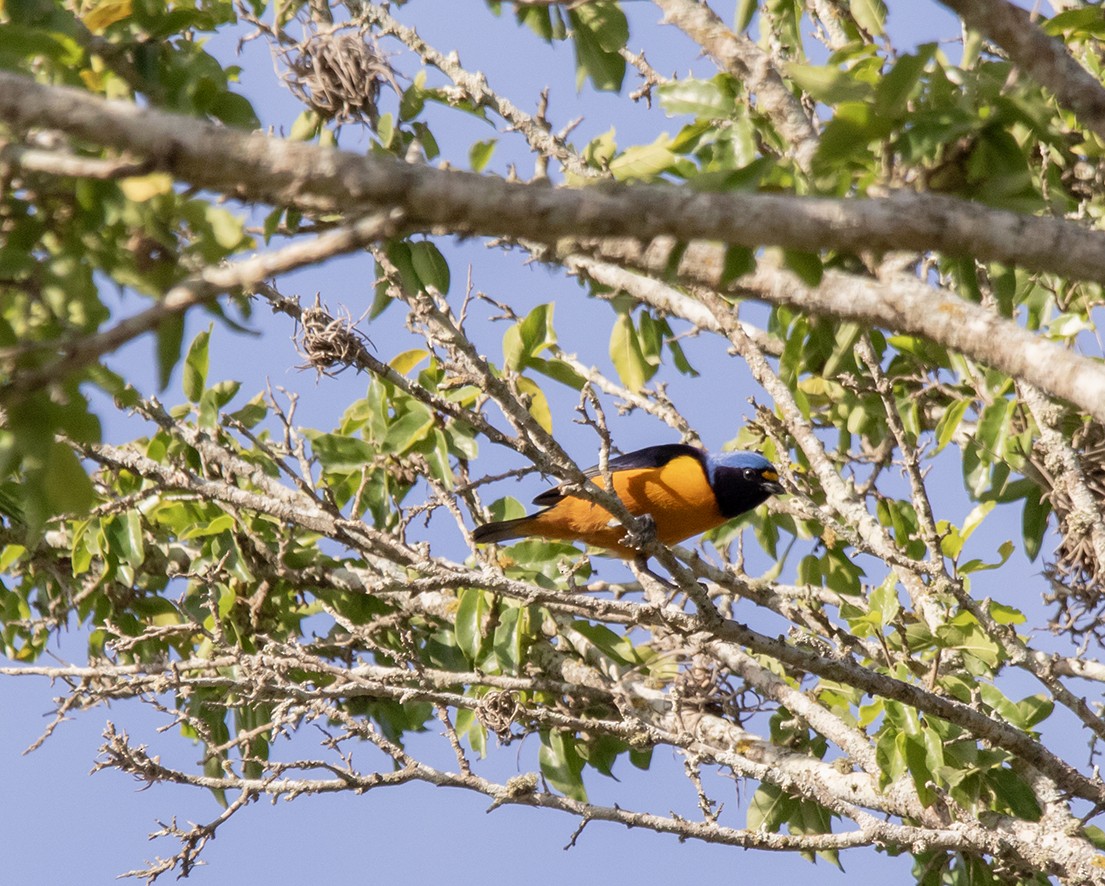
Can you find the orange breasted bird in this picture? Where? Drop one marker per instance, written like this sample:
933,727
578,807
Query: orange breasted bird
683,489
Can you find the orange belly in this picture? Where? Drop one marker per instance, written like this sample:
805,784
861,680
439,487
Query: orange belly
677,496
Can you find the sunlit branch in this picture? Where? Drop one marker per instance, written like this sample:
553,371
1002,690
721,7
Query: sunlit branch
901,303
310,177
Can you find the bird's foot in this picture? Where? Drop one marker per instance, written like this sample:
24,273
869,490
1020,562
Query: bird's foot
643,535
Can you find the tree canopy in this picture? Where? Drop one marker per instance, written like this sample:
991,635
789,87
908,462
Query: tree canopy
896,243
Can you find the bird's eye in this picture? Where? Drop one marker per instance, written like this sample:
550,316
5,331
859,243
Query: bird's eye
749,474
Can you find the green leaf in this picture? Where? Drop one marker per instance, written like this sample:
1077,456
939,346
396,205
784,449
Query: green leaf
1095,835
195,366
412,101
601,149
1033,710
399,254
170,335
949,422
829,84
252,413
340,453
472,612
812,818
1088,22
529,337
963,633
746,9
1012,794
915,753
65,484
234,110
993,427
997,700
408,429
469,727
430,266
1005,551
954,538
769,809
305,127
651,335
854,126
385,129
536,401
890,754
480,154
1034,521
559,371
1006,615
679,358
807,265
739,260
509,639
884,601
893,92
223,392
869,15
541,21
10,554
708,99
124,535
211,526
643,162
625,352
599,30
406,361
614,645
19,40
562,765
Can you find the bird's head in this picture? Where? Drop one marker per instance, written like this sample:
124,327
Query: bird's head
741,480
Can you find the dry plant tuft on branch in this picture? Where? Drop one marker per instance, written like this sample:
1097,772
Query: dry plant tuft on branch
338,73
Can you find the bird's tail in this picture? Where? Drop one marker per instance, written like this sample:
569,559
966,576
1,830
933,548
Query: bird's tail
501,531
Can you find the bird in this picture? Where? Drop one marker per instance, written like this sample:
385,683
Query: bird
681,489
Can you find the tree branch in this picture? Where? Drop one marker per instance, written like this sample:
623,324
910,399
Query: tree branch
750,65
900,302
309,177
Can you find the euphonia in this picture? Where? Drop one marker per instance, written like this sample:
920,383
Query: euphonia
684,489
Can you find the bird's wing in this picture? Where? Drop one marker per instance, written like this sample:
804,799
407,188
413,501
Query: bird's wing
649,457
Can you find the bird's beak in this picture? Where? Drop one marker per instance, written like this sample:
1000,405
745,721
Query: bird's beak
770,483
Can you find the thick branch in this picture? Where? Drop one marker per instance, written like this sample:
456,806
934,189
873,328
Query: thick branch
259,168
901,303
1069,476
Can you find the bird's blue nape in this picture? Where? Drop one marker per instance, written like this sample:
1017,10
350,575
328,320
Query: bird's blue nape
737,459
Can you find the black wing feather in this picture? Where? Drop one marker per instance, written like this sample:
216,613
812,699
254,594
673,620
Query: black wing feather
649,457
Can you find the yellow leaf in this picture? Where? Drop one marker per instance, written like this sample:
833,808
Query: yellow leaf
538,405
105,13
141,188
93,80
405,362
